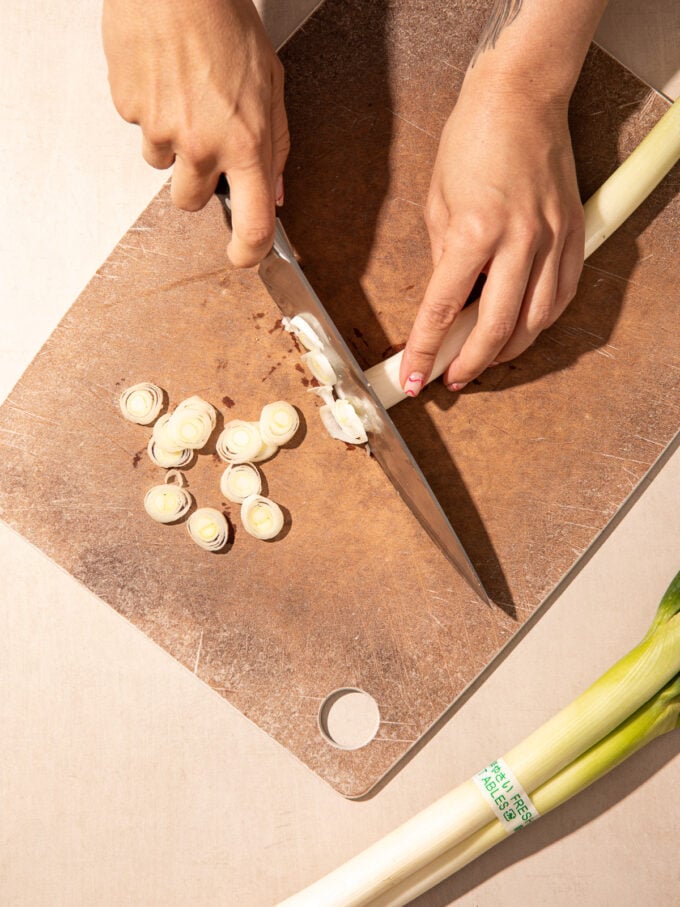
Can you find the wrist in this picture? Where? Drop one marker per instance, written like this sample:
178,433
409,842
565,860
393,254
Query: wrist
535,49
509,88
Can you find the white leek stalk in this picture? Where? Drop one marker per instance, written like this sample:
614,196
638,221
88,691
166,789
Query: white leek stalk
605,211
141,403
451,820
208,528
261,517
656,717
169,502
239,481
278,423
191,424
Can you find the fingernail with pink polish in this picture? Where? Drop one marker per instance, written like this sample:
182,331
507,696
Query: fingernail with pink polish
414,384
457,385
278,192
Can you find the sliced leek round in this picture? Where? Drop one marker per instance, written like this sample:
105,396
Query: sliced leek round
162,437
191,424
304,332
141,403
265,453
261,517
208,528
168,458
349,420
239,481
320,367
167,503
278,422
239,441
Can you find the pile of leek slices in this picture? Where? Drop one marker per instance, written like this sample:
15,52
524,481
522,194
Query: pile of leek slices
339,416
174,441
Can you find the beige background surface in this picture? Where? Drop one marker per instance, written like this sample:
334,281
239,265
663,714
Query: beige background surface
123,779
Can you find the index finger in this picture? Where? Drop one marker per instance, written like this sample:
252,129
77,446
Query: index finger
252,214
450,285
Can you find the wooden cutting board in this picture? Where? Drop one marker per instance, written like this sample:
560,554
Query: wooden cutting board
530,463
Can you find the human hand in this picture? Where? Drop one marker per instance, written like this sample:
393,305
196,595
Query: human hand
204,84
503,202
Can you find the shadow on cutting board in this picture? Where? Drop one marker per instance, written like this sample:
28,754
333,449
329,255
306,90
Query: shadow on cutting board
350,124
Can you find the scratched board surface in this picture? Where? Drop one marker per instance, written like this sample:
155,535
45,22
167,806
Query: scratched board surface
530,462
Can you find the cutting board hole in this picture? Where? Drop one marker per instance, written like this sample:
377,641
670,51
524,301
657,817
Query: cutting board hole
349,718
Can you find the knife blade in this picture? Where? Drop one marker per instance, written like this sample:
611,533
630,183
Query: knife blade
294,295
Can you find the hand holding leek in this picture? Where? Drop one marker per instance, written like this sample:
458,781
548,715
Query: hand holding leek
503,197
604,212
635,701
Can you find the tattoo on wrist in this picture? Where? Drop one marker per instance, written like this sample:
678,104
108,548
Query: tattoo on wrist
504,13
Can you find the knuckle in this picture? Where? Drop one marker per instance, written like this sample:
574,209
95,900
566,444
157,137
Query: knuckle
565,296
499,330
529,232
478,229
197,151
192,203
439,314
125,106
256,235
420,356
155,132
242,258
540,318
249,141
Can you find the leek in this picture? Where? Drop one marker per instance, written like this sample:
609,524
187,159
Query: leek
141,403
239,441
279,422
261,517
190,425
167,503
579,742
658,716
605,211
208,528
239,481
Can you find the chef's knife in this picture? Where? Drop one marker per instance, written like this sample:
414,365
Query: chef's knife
293,294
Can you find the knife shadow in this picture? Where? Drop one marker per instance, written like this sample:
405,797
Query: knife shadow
338,182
